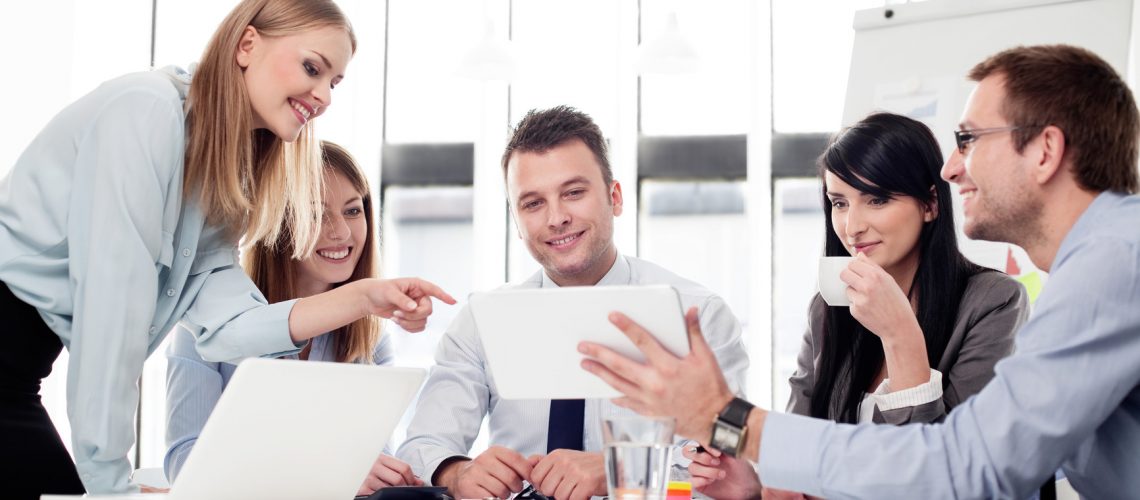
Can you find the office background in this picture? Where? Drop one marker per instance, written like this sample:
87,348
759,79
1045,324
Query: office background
714,147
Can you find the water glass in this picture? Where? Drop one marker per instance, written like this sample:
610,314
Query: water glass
638,452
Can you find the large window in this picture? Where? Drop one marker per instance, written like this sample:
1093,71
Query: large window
714,99
695,152
798,244
811,55
560,66
427,232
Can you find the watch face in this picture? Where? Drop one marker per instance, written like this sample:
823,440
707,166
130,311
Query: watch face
725,438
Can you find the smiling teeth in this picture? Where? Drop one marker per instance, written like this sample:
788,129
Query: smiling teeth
301,109
333,255
565,240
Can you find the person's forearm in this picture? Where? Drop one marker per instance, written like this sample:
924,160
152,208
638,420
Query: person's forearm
322,313
751,451
905,356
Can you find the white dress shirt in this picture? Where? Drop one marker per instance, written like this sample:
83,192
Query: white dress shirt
460,391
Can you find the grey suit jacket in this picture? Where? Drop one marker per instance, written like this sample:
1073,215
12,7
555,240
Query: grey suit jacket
992,309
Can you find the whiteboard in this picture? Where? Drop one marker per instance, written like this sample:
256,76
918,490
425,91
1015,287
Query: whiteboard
912,59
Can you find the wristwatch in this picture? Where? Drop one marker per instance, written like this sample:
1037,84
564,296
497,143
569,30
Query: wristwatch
731,427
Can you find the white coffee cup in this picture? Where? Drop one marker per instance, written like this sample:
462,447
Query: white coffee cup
833,289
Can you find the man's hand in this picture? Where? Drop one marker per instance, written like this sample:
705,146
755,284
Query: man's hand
721,476
495,473
691,389
569,474
388,471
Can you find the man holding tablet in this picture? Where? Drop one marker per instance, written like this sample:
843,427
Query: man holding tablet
1046,159
563,197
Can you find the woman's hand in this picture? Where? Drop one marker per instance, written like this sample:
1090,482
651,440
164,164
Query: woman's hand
877,302
721,476
388,471
881,306
407,301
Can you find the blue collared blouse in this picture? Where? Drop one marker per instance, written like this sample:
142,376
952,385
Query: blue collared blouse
95,234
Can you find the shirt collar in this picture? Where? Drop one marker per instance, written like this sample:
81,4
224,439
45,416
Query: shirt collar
1086,223
619,274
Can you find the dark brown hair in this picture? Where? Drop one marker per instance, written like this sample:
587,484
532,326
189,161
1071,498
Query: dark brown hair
1077,91
541,131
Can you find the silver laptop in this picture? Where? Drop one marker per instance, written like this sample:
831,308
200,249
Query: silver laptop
287,429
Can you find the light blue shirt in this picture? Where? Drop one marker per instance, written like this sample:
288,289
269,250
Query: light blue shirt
1068,397
94,234
193,386
460,390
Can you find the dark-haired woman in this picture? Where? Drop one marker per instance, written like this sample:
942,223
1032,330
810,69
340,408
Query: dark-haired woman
925,326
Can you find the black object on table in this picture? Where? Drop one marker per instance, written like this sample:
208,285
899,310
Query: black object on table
408,493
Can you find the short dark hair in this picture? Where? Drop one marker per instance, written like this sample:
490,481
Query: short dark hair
1077,91
541,131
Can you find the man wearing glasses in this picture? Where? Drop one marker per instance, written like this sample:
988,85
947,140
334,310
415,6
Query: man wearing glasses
1046,159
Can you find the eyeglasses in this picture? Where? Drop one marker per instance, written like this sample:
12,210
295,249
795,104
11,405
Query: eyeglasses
964,138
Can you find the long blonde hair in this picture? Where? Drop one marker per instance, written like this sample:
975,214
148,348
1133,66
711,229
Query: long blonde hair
249,182
275,272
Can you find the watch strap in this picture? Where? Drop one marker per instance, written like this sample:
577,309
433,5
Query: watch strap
736,413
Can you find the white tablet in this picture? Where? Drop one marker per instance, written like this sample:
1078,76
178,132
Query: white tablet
530,337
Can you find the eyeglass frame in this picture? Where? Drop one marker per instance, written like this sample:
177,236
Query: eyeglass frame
972,135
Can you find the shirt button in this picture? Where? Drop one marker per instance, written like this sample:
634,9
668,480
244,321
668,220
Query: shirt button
153,329
170,292
185,252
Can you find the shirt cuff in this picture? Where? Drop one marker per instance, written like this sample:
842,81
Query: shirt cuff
790,452
432,467
914,396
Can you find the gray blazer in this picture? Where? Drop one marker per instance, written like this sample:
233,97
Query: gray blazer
992,309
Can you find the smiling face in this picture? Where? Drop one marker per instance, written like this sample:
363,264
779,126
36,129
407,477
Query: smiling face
344,230
565,211
289,79
993,178
887,230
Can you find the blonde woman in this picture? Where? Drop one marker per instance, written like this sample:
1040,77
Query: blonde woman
121,220
346,252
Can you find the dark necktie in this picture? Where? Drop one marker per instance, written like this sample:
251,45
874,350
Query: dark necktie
566,420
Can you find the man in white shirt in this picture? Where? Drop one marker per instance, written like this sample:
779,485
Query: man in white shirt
564,199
